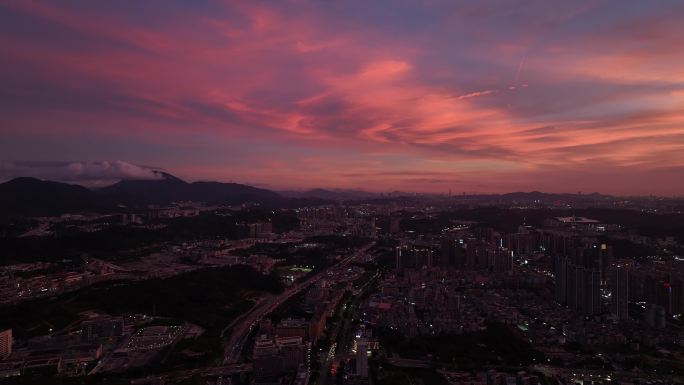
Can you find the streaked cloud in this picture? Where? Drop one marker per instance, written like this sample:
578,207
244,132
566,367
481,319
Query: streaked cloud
352,94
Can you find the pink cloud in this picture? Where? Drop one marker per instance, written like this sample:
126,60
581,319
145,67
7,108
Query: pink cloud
510,93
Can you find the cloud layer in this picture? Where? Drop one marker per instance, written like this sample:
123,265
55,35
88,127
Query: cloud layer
92,174
474,96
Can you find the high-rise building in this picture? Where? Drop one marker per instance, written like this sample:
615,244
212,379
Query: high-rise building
452,253
591,292
663,288
413,257
573,288
502,261
578,287
605,253
424,257
5,343
399,252
655,316
560,270
620,294
394,225
446,252
362,358
472,252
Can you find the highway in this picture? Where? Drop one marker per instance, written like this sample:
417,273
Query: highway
338,352
241,331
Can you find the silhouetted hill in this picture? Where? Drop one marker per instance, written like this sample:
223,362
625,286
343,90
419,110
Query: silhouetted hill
35,197
164,190
330,195
546,197
24,197
233,193
169,189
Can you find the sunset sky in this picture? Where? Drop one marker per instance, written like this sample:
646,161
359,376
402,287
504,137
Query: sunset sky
486,96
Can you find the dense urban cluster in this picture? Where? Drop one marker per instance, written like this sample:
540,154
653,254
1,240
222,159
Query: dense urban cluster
398,290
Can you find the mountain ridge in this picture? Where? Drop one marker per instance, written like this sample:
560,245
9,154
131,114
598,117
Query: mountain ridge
27,196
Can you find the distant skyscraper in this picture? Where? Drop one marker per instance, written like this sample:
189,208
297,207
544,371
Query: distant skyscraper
620,295
362,358
5,343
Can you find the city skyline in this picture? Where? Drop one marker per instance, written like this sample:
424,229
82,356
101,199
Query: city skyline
297,192
98,175
488,97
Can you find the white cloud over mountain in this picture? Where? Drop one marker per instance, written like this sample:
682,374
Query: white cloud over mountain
89,173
